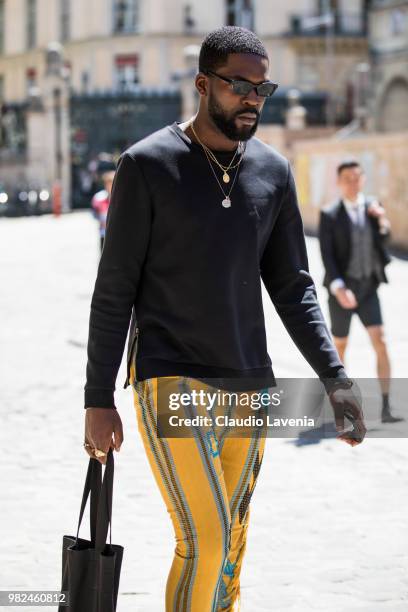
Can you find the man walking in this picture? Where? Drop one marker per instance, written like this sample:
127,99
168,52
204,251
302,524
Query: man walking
353,236
201,212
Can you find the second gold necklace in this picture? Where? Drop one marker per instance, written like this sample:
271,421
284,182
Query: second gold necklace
225,169
226,202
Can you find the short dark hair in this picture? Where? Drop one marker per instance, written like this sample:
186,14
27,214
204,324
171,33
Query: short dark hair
346,165
220,43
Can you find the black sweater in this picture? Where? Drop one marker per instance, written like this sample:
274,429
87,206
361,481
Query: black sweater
189,270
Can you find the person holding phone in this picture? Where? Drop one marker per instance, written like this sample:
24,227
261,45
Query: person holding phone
354,232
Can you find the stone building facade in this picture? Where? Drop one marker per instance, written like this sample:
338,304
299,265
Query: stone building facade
121,43
125,46
388,43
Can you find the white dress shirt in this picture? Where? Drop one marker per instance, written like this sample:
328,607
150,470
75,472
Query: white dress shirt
356,209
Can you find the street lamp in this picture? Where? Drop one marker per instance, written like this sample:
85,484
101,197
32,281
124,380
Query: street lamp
296,113
190,54
54,69
362,93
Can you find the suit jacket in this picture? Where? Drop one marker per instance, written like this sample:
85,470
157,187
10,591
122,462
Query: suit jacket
335,241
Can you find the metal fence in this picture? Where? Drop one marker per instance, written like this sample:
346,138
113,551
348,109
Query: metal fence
110,122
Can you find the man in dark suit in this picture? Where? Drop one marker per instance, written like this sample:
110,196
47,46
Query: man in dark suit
353,236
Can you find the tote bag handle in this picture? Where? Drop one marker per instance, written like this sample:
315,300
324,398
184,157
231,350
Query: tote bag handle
101,500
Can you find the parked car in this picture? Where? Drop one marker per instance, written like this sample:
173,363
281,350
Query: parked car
4,198
25,200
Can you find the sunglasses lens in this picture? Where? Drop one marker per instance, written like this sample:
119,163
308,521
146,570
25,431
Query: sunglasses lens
242,88
267,89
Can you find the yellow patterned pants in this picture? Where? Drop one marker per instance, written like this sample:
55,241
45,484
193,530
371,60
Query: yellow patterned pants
206,482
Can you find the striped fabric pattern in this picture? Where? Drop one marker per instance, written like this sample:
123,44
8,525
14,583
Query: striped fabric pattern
206,482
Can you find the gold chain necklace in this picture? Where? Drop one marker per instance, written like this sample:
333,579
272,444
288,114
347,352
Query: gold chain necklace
227,200
224,169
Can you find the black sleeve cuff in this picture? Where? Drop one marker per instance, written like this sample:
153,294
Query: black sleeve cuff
99,398
333,376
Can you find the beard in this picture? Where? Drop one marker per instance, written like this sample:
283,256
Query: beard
226,122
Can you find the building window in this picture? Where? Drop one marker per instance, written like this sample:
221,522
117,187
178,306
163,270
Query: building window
348,18
240,13
126,15
65,22
126,71
398,22
328,5
1,26
31,12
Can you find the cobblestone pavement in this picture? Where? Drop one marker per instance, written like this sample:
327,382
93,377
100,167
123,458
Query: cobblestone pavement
327,528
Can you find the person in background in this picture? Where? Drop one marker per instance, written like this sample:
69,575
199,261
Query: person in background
353,234
100,204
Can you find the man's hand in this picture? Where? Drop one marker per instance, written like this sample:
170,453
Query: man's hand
346,298
376,210
100,424
345,404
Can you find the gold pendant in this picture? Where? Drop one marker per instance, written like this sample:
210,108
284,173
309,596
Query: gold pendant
226,178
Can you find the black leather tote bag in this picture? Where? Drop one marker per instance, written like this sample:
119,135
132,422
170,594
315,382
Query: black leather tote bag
91,568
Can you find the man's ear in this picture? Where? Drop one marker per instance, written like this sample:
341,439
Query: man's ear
201,83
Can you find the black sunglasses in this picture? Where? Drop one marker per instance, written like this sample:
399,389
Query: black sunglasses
243,88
